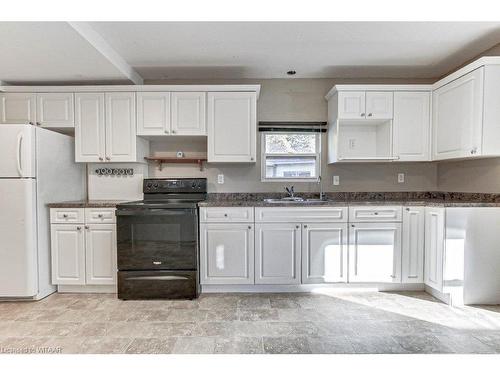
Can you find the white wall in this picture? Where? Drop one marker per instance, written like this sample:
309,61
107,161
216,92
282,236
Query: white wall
126,188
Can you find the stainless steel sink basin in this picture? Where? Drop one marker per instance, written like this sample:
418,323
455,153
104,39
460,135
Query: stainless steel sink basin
293,200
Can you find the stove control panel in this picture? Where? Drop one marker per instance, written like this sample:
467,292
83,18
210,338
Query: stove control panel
178,185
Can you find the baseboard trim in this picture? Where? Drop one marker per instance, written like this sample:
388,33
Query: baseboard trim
443,297
86,289
309,288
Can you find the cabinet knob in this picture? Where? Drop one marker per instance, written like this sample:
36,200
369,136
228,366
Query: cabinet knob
99,215
305,226
166,131
352,225
375,213
100,158
392,276
173,131
31,122
108,158
363,114
249,227
65,216
369,115
156,262
251,158
225,215
407,208
297,226
38,123
87,227
78,228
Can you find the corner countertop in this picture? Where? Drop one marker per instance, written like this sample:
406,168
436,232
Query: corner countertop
84,204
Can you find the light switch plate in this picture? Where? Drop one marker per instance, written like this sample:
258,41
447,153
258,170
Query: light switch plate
336,180
220,178
401,178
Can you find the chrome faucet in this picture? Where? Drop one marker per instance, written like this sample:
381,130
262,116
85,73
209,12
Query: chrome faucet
321,194
290,191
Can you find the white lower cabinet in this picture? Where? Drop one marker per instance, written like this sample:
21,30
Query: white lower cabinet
375,252
324,253
434,247
227,254
412,264
82,254
100,254
68,254
277,253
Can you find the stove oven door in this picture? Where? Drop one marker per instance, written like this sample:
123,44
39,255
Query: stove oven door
157,239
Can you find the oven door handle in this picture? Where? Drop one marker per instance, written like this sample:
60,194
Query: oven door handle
153,211
157,278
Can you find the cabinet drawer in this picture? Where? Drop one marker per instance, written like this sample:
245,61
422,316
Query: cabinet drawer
226,214
301,214
66,215
375,213
100,215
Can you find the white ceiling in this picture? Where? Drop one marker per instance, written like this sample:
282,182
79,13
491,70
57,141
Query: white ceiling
44,52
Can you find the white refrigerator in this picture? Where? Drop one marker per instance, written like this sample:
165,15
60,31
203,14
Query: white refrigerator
37,166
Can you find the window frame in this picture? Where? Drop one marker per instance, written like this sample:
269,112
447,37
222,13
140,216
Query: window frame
264,155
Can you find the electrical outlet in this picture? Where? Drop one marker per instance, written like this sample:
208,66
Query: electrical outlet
336,180
220,178
401,178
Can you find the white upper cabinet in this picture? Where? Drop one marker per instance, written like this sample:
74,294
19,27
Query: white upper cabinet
188,113
153,113
324,253
351,105
413,245
55,110
232,127
17,108
120,127
412,126
379,105
277,253
89,128
458,117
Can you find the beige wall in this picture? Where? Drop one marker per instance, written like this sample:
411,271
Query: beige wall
295,100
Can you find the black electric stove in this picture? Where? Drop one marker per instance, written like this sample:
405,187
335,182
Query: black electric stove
157,240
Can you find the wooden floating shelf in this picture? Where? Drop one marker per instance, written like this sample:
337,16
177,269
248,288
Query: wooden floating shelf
163,160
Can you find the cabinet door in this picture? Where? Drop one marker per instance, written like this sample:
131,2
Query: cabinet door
412,126
379,105
17,108
89,127
227,254
277,253
412,269
153,113
324,253
189,113
457,117
120,127
232,126
55,110
434,246
68,254
375,252
352,105
100,254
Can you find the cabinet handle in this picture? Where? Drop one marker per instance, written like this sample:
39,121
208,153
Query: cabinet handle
155,262
249,227
363,114
375,213
108,158
393,277
305,225
251,159
87,227
78,228
99,215
407,208
352,225
225,215
31,122
100,158
166,131
173,131
297,226
369,115
38,124
412,277
65,216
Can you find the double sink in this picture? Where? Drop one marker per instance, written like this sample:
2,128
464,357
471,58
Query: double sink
291,200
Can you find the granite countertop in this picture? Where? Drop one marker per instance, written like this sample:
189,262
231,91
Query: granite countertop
438,199
84,204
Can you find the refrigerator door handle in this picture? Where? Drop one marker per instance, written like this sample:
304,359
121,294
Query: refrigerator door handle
20,137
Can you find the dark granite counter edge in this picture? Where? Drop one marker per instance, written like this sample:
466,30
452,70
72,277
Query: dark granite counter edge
84,204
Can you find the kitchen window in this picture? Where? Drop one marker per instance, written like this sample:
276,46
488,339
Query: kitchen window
290,156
